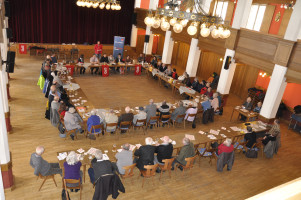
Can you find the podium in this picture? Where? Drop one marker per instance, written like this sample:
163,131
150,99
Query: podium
70,69
105,70
137,70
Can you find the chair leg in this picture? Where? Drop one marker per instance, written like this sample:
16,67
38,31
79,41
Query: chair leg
153,180
143,182
161,174
54,181
169,173
42,183
80,195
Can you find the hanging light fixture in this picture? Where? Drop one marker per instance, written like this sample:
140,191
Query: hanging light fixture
192,29
173,21
108,4
178,27
157,22
165,25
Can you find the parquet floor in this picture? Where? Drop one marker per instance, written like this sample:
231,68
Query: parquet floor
247,178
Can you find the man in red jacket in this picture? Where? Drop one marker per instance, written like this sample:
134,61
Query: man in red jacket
98,50
226,147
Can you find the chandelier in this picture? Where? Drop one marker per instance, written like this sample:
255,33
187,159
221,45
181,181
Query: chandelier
108,4
288,5
179,14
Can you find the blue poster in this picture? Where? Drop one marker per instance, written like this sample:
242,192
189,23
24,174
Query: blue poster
118,46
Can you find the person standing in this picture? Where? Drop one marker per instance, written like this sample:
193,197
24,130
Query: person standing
98,50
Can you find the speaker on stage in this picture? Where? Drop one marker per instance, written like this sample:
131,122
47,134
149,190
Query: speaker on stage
146,39
227,62
9,33
134,18
7,8
10,63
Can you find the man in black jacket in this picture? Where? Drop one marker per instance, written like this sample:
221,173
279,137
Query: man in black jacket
99,167
125,117
164,151
250,137
145,154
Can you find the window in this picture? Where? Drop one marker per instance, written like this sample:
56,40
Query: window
220,9
256,17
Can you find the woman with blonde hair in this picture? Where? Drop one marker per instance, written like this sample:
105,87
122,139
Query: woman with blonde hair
72,169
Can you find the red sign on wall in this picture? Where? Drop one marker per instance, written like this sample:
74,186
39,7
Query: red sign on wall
22,48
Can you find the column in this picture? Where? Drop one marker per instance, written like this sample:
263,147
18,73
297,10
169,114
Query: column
242,14
147,49
167,48
5,162
293,30
2,196
274,93
193,58
137,3
134,36
153,4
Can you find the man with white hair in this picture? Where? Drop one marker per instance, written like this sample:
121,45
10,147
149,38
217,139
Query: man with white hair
164,110
140,116
99,167
94,120
111,118
226,146
150,110
72,121
41,166
126,117
145,154
180,110
124,158
186,151
164,151
191,110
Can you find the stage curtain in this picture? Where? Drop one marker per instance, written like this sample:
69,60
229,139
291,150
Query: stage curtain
62,21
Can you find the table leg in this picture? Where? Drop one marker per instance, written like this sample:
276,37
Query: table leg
232,115
84,166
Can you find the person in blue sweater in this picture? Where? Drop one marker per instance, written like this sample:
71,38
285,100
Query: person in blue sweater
93,121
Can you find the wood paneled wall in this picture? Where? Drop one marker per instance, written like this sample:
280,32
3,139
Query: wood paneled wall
140,44
244,78
286,17
209,62
160,44
180,55
268,16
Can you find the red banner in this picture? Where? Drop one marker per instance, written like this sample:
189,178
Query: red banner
137,70
105,70
22,48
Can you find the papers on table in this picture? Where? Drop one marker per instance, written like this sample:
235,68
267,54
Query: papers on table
116,111
244,110
138,145
119,150
91,151
173,142
201,132
223,135
132,147
105,157
190,137
235,128
223,128
81,109
62,156
187,103
80,150
262,127
214,132
71,86
212,137
170,140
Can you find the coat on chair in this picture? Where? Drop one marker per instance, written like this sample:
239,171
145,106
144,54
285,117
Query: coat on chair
108,185
223,159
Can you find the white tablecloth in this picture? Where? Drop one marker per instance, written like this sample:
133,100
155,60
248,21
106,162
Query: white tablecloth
183,89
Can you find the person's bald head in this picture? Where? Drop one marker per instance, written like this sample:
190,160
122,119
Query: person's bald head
165,139
151,101
127,109
53,88
56,98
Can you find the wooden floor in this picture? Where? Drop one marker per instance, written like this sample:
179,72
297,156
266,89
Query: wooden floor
247,178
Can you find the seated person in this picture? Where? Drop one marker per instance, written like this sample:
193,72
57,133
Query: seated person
41,166
72,121
164,151
181,110
72,169
128,60
215,102
250,137
204,89
195,84
151,111
270,137
248,104
154,62
119,60
164,110
192,110
209,92
159,64
81,62
111,118
145,154
124,158
111,59
211,78
226,147
140,58
94,61
219,99
206,104
99,167
93,120
53,58
140,116
185,79
174,74
201,85
186,151
168,71
162,68
125,117
258,107
104,59
274,127
62,110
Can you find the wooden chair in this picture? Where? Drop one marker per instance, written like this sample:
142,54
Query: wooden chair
129,171
125,126
189,164
46,178
150,172
174,122
189,115
142,125
95,127
153,121
68,133
112,125
166,167
166,120
73,181
205,151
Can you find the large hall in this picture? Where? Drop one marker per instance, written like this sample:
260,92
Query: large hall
150,99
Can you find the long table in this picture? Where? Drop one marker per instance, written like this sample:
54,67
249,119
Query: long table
244,112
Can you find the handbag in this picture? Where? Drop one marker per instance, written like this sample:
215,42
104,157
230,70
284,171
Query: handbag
251,154
64,197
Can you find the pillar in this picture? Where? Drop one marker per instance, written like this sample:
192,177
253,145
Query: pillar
193,58
167,48
134,36
153,4
274,93
293,30
137,3
2,196
5,162
147,49
242,12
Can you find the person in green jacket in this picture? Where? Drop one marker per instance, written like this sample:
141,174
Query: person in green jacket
186,151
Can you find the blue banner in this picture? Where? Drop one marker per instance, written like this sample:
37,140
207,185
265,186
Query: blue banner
118,46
